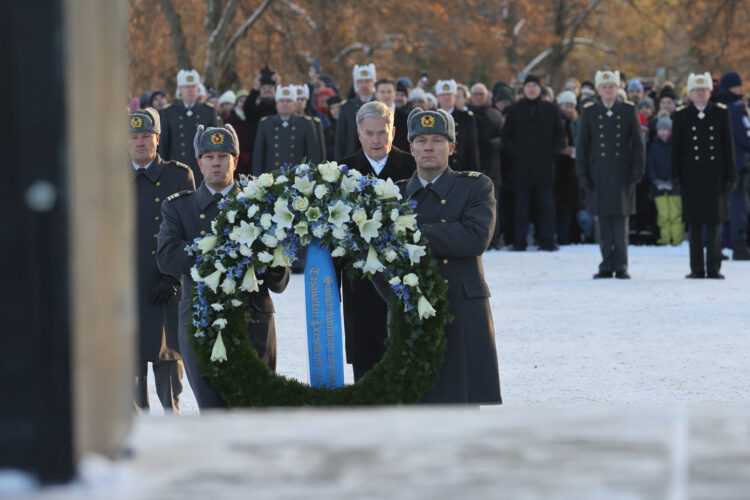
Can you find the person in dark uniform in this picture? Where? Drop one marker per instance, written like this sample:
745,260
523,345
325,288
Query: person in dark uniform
703,167
385,92
155,179
466,156
610,161
456,212
365,315
180,119
284,138
259,104
187,215
303,109
347,142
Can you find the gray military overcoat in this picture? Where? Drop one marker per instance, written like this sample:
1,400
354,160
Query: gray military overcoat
186,217
457,215
610,157
157,323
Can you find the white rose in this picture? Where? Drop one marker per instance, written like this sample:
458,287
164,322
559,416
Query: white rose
280,233
269,240
338,252
359,216
282,179
265,257
320,230
417,236
265,220
320,191
411,279
391,255
386,189
228,286
252,210
395,281
231,215
339,233
265,180
300,204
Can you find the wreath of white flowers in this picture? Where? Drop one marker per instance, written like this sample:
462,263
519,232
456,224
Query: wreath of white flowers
361,219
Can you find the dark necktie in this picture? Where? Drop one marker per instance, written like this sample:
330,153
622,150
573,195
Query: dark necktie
218,197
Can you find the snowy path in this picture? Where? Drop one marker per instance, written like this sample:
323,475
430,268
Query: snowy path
565,339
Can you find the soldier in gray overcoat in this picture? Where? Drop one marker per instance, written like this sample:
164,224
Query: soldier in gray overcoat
155,179
187,215
456,212
180,119
610,161
284,138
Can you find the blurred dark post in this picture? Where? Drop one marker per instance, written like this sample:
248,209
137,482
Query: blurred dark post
56,81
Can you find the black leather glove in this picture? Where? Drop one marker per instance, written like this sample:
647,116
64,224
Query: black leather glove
164,289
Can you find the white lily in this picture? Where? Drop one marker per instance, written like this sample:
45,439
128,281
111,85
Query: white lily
219,352
235,302
348,184
424,308
195,274
252,210
304,185
385,189
417,236
329,171
282,216
220,267
280,259
220,323
300,228
249,281
372,264
212,280
338,213
217,307
245,234
395,281
415,252
252,191
207,243
313,214
404,222
369,229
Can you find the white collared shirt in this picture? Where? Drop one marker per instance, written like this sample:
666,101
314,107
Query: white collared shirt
136,166
433,181
377,166
224,191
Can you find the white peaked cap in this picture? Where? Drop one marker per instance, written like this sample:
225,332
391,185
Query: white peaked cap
700,81
188,77
288,92
446,87
606,77
302,91
364,72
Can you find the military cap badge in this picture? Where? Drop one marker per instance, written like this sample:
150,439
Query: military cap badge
285,92
699,81
190,78
136,122
217,138
427,121
364,72
446,86
299,90
605,76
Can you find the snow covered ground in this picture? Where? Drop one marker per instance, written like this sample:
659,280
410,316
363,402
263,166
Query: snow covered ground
566,339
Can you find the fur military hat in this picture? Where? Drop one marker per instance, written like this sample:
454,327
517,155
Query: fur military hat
288,92
188,77
439,122
364,72
700,81
445,87
303,91
607,77
216,139
145,121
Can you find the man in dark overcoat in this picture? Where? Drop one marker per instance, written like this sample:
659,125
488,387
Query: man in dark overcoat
347,142
703,167
533,134
155,179
456,212
466,156
365,314
187,215
179,120
284,138
610,161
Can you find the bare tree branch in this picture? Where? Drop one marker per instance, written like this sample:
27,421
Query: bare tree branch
177,34
302,13
245,26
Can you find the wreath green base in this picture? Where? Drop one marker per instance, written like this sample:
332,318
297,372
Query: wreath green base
409,368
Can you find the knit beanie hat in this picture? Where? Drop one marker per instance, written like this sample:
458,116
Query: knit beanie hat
647,102
729,79
532,79
664,122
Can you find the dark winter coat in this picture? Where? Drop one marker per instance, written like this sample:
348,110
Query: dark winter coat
610,157
457,215
178,125
347,141
532,140
255,110
157,323
365,313
567,191
659,160
489,127
740,127
703,162
401,137
466,156
245,134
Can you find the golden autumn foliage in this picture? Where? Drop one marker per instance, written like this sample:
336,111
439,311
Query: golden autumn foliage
469,40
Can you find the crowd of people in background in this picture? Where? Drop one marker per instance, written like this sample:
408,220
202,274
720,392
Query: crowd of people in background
531,162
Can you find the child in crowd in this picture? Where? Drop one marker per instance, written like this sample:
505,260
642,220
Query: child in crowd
667,199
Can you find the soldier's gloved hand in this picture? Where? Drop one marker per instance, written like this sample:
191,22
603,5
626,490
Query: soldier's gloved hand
164,289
